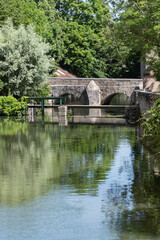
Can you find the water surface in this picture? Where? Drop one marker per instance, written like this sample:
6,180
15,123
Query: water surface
76,182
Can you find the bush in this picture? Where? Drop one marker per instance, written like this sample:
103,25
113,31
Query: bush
152,123
10,106
151,129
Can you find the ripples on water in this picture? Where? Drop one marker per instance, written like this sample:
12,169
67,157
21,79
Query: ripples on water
76,182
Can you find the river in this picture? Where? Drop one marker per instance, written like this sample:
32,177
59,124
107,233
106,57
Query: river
76,182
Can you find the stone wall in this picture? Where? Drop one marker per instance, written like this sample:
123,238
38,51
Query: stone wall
132,114
75,90
145,100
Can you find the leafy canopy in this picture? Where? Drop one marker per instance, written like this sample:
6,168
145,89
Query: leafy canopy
138,26
84,37
91,48
41,14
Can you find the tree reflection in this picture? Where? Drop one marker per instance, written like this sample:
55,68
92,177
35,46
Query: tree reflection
33,159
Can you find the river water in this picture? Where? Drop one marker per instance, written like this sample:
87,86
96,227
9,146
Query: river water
76,182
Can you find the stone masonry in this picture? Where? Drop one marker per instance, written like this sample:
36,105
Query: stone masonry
93,93
145,100
106,87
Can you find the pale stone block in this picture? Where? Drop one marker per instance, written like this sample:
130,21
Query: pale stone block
94,93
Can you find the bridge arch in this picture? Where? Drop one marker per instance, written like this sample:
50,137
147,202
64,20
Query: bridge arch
117,99
71,99
76,93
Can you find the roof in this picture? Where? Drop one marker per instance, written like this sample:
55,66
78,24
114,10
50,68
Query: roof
61,73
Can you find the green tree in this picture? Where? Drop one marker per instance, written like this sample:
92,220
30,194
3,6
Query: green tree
23,12
92,48
41,14
138,26
84,38
80,54
92,12
53,29
24,64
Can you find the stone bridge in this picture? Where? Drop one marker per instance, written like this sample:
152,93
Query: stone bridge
94,91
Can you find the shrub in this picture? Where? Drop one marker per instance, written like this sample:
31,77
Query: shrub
10,106
152,123
151,129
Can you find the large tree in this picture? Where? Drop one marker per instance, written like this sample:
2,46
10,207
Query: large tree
24,64
84,38
138,26
91,48
41,14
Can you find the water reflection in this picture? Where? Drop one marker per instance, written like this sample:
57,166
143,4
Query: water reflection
97,180
79,116
132,201
33,158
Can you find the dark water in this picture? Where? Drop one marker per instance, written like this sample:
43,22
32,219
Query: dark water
77,182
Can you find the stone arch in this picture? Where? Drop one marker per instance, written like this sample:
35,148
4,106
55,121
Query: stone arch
71,99
75,92
123,98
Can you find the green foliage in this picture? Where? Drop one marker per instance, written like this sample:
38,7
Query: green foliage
92,48
10,106
94,13
41,14
1,83
84,38
44,91
152,123
80,53
151,129
23,12
138,26
23,61
52,31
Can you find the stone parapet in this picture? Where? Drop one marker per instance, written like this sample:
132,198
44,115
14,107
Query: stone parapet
85,81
